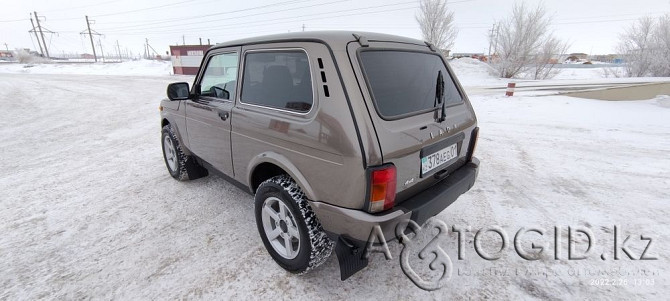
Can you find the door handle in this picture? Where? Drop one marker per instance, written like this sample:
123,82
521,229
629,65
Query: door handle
224,115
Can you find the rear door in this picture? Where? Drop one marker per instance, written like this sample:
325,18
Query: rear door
208,115
399,84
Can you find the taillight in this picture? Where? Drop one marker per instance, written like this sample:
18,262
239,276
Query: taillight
382,188
473,143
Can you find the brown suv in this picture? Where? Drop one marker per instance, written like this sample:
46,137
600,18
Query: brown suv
335,133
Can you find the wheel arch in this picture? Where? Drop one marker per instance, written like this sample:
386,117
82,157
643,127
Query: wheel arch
165,121
270,164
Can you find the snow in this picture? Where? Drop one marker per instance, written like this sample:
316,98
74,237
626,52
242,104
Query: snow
89,210
586,73
140,67
663,101
473,72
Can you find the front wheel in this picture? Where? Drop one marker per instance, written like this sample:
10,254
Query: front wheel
288,227
181,166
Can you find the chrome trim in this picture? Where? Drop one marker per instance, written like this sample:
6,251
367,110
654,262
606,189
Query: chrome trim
311,76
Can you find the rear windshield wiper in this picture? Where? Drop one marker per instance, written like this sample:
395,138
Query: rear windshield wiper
439,97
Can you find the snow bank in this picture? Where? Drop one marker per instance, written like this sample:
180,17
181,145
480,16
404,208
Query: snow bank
587,73
142,67
473,72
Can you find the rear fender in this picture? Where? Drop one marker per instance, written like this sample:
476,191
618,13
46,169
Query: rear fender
283,163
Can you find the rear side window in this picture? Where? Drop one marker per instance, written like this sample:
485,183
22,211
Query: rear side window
278,79
404,82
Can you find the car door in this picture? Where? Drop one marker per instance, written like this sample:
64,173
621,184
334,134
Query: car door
208,114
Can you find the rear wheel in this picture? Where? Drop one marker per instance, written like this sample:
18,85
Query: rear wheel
288,227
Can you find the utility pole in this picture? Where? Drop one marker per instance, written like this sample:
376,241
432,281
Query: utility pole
118,49
39,27
200,41
183,40
303,27
152,49
36,37
102,54
90,35
6,47
146,49
208,43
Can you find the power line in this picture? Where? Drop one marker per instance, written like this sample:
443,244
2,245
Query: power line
609,16
292,18
591,22
143,9
123,28
134,27
269,22
83,6
170,20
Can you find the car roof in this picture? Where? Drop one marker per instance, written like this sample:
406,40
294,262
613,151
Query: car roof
333,38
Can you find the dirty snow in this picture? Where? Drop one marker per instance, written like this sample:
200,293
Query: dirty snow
89,211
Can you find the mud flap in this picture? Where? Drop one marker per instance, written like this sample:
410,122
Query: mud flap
194,169
351,257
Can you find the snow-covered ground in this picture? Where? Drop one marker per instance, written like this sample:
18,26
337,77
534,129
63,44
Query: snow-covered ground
140,67
89,211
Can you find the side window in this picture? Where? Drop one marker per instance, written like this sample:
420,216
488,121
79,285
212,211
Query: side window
220,77
278,79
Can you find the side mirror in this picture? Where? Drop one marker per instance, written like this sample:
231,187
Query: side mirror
178,91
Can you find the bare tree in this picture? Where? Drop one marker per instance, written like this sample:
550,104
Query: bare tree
524,43
542,66
437,24
635,46
645,46
661,45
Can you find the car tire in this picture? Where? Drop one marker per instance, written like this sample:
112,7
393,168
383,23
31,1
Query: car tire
180,166
308,245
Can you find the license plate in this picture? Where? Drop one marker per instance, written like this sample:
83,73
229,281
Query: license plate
438,158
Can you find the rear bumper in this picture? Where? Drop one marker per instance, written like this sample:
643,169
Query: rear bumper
357,225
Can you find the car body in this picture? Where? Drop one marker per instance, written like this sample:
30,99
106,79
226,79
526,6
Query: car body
373,129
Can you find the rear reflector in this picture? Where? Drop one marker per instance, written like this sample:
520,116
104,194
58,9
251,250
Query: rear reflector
382,188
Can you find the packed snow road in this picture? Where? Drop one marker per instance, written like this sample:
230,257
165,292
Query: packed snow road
89,211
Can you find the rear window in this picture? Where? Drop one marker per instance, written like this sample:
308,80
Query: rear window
404,82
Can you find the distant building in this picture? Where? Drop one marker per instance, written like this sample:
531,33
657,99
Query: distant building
186,59
607,58
467,54
6,55
87,56
578,56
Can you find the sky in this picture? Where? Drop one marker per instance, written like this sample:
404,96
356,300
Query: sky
589,26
